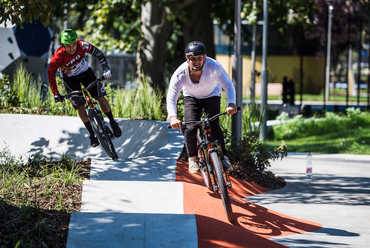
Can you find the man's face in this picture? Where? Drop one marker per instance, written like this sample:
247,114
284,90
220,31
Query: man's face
71,48
196,62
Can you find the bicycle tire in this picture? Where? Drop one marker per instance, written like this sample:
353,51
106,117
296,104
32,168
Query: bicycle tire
204,171
101,133
222,186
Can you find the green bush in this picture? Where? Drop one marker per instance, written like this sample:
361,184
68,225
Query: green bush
248,151
8,95
23,95
141,103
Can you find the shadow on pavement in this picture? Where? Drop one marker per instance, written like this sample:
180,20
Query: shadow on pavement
337,232
139,138
324,190
310,242
70,144
252,223
137,169
216,233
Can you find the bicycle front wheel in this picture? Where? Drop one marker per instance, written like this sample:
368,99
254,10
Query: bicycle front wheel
222,186
101,133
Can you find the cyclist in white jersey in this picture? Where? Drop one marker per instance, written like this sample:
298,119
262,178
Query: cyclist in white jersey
201,79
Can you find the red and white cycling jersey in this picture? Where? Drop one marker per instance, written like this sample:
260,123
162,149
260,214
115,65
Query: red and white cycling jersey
72,65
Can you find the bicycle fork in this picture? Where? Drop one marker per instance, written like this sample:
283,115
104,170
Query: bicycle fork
203,146
227,176
212,176
92,104
210,167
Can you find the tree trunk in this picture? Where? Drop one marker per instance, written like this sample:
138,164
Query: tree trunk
152,49
151,55
200,25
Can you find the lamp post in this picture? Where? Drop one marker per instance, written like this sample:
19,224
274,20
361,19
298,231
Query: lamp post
253,59
237,74
264,76
327,73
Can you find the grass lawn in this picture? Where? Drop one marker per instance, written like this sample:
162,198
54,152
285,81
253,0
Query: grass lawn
319,98
354,141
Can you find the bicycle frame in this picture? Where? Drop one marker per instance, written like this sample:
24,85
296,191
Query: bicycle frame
91,104
98,124
209,145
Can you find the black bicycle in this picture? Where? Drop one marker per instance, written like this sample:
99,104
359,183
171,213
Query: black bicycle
211,161
98,124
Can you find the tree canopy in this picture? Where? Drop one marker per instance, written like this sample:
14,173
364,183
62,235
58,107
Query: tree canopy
158,30
18,11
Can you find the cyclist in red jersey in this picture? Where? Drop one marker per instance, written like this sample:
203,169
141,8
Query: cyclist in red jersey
69,60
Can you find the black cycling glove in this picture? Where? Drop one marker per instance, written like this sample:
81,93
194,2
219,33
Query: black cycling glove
58,98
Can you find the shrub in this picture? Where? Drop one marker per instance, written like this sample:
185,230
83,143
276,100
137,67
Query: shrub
248,151
8,95
141,103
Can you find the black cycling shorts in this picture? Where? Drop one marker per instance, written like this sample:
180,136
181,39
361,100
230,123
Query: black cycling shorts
85,78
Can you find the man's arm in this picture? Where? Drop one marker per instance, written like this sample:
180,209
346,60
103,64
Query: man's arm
52,70
228,86
103,62
100,55
226,83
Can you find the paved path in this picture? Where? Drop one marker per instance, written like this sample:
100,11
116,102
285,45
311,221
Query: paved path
146,199
130,202
338,197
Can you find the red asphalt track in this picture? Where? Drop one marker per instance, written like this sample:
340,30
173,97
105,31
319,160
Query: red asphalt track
252,225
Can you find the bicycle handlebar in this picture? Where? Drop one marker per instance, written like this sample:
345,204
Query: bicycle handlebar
84,89
183,124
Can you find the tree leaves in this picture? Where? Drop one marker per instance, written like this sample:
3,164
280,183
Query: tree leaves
18,11
117,18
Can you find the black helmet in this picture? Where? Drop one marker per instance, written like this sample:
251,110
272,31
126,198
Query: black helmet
195,48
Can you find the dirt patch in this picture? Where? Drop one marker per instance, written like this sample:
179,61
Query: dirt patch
53,223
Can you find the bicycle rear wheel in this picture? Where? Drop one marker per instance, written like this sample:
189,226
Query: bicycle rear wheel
222,186
101,133
203,162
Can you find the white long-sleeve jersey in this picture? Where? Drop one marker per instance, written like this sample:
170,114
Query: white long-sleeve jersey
213,79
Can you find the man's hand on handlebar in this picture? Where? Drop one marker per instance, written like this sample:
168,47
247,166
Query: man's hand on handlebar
175,123
58,98
107,73
231,109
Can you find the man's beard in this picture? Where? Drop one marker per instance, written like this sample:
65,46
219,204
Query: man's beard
196,68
